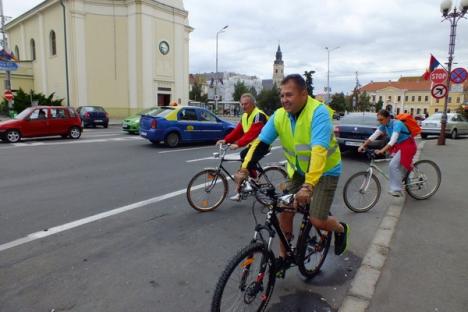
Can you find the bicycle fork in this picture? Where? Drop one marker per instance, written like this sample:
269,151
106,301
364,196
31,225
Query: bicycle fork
365,184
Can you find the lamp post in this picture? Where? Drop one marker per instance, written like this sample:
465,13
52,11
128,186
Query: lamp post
450,13
216,74
328,72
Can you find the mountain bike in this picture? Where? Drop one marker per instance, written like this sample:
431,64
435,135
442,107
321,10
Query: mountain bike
247,282
208,188
362,190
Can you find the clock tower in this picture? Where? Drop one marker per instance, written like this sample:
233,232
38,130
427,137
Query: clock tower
278,68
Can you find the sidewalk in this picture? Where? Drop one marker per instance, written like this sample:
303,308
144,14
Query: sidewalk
426,267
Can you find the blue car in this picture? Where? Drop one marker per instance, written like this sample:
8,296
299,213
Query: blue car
183,124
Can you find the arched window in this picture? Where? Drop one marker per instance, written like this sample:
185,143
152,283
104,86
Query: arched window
32,44
17,55
53,43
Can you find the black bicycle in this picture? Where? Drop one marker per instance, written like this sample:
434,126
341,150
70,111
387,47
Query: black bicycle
208,188
247,282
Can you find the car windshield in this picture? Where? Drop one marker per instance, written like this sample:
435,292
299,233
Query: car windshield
149,111
161,112
434,117
24,113
368,120
93,109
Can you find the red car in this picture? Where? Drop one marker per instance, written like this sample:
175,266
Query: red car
42,121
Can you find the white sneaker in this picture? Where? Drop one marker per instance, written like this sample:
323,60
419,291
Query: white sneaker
235,197
396,193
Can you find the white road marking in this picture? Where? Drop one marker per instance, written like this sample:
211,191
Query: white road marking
80,141
184,149
68,226
228,156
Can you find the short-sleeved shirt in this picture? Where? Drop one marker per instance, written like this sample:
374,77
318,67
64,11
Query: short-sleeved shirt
321,131
395,125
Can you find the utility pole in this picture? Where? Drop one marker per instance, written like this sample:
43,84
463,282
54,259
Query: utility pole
356,92
7,85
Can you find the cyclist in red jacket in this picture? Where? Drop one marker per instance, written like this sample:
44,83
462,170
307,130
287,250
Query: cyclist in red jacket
247,130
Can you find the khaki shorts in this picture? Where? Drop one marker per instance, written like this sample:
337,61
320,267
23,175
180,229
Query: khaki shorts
322,197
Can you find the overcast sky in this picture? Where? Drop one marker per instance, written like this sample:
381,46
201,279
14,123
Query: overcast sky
381,40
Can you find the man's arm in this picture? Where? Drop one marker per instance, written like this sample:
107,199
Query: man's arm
258,123
235,134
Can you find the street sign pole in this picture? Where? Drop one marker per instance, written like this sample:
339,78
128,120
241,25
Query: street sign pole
5,47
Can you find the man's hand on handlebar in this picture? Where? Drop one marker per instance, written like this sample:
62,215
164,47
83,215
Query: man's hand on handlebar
362,148
234,146
303,196
220,142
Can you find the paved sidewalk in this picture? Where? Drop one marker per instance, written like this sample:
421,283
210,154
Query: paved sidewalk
426,269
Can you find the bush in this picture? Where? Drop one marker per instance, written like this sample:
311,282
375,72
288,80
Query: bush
24,100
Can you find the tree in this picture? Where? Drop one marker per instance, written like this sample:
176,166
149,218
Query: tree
378,106
364,102
253,91
23,100
196,94
309,82
239,89
338,102
269,100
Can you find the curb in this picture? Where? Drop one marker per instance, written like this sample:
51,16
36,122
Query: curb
364,283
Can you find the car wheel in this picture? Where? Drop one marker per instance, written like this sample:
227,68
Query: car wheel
172,139
454,134
13,136
423,136
74,133
106,126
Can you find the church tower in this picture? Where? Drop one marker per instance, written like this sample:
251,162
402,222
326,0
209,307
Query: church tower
278,68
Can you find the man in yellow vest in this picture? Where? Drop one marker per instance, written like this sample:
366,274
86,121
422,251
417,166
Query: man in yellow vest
252,121
305,129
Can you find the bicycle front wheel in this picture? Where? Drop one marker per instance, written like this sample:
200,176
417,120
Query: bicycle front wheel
271,176
207,190
424,180
312,248
361,192
247,282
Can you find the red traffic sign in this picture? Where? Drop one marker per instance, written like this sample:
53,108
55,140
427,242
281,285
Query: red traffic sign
8,95
439,91
458,75
439,75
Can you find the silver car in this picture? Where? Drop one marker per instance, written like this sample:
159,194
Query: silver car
456,125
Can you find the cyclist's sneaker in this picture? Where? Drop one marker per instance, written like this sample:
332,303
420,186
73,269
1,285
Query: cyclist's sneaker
396,193
281,266
236,197
341,239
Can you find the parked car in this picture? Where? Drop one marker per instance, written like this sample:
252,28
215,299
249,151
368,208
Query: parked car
131,124
354,128
456,125
91,116
175,125
40,121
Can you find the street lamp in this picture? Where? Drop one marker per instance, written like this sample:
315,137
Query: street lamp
217,78
450,13
328,72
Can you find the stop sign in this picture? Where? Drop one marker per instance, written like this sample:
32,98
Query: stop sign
8,95
439,76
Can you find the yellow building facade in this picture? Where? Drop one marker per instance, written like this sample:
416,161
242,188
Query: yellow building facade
413,95
124,55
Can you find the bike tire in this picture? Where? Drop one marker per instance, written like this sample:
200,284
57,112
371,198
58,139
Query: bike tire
201,186
312,248
244,291
421,171
271,176
353,187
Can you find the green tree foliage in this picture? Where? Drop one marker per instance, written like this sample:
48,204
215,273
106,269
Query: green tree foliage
239,89
23,100
309,82
364,102
269,100
196,94
253,91
378,105
338,102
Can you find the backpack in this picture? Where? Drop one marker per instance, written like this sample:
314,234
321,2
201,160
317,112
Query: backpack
410,123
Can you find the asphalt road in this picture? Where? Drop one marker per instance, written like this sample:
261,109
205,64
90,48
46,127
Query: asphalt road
102,224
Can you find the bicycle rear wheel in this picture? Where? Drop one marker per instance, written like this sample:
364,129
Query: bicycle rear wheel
207,190
361,192
424,180
247,282
312,249
272,176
